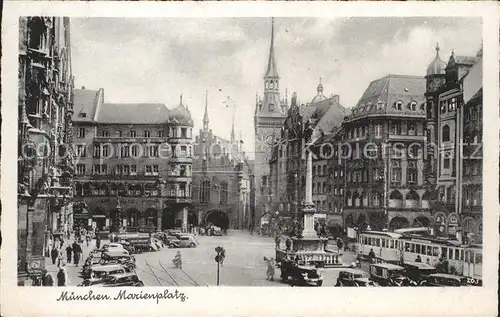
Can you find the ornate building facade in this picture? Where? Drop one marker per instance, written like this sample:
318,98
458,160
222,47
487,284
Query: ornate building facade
268,120
221,179
45,158
133,166
451,147
383,154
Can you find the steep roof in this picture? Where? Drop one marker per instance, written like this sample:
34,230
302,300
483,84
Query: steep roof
382,96
85,105
437,66
272,70
133,113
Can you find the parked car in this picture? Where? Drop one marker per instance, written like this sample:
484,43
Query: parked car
184,241
300,275
98,271
351,277
418,272
442,279
121,280
386,274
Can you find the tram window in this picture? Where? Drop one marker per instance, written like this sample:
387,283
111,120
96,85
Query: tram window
467,256
450,254
365,240
457,256
412,248
461,255
407,247
391,244
444,252
479,258
429,250
417,248
377,242
435,251
383,243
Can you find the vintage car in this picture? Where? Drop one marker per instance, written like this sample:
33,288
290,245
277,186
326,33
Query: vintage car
98,271
183,241
386,274
418,272
300,275
351,277
115,253
365,282
442,279
120,280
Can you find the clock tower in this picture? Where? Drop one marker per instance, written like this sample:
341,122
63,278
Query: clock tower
268,121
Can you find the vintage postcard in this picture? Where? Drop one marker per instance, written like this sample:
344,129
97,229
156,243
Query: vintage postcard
250,159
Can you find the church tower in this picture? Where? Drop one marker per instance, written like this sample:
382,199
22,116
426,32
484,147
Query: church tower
268,120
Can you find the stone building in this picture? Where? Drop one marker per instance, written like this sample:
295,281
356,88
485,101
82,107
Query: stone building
45,156
268,120
221,179
445,135
384,139
134,164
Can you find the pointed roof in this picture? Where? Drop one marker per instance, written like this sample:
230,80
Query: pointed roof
205,116
437,66
319,97
272,70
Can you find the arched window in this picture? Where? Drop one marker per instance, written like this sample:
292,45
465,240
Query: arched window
348,198
205,191
398,105
413,106
446,133
223,193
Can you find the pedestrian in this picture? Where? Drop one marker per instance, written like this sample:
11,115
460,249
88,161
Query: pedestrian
277,240
47,279
61,242
50,243
76,253
270,268
371,255
418,259
60,259
69,250
98,242
62,276
178,260
53,254
87,238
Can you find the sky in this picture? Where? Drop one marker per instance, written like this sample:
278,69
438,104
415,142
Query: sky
157,59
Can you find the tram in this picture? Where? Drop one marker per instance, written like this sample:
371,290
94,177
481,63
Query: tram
406,246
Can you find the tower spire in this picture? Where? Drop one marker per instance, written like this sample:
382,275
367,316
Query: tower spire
205,116
272,70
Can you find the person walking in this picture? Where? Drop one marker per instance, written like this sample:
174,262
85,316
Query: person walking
60,259
76,253
69,250
62,276
270,268
53,254
98,242
178,260
50,244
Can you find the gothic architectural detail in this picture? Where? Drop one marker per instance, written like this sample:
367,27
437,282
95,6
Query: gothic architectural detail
45,157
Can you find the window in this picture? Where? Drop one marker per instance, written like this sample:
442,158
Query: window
378,130
412,176
205,191
376,199
135,151
446,133
380,105
148,170
376,174
443,106
81,133
80,169
133,169
161,134
118,134
132,134
271,107
97,150
452,105
396,172
183,170
105,150
105,133
155,169
147,133
223,193
97,169
119,169
125,151
413,106
399,105
153,151
81,150
104,169
126,169
411,128
183,151
183,133
446,163
396,127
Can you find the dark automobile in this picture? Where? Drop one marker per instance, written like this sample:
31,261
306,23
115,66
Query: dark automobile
300,275
441,279
351,277
120,280
418,272
386,274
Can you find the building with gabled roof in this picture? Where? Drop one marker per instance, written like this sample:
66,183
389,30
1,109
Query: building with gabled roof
133,166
